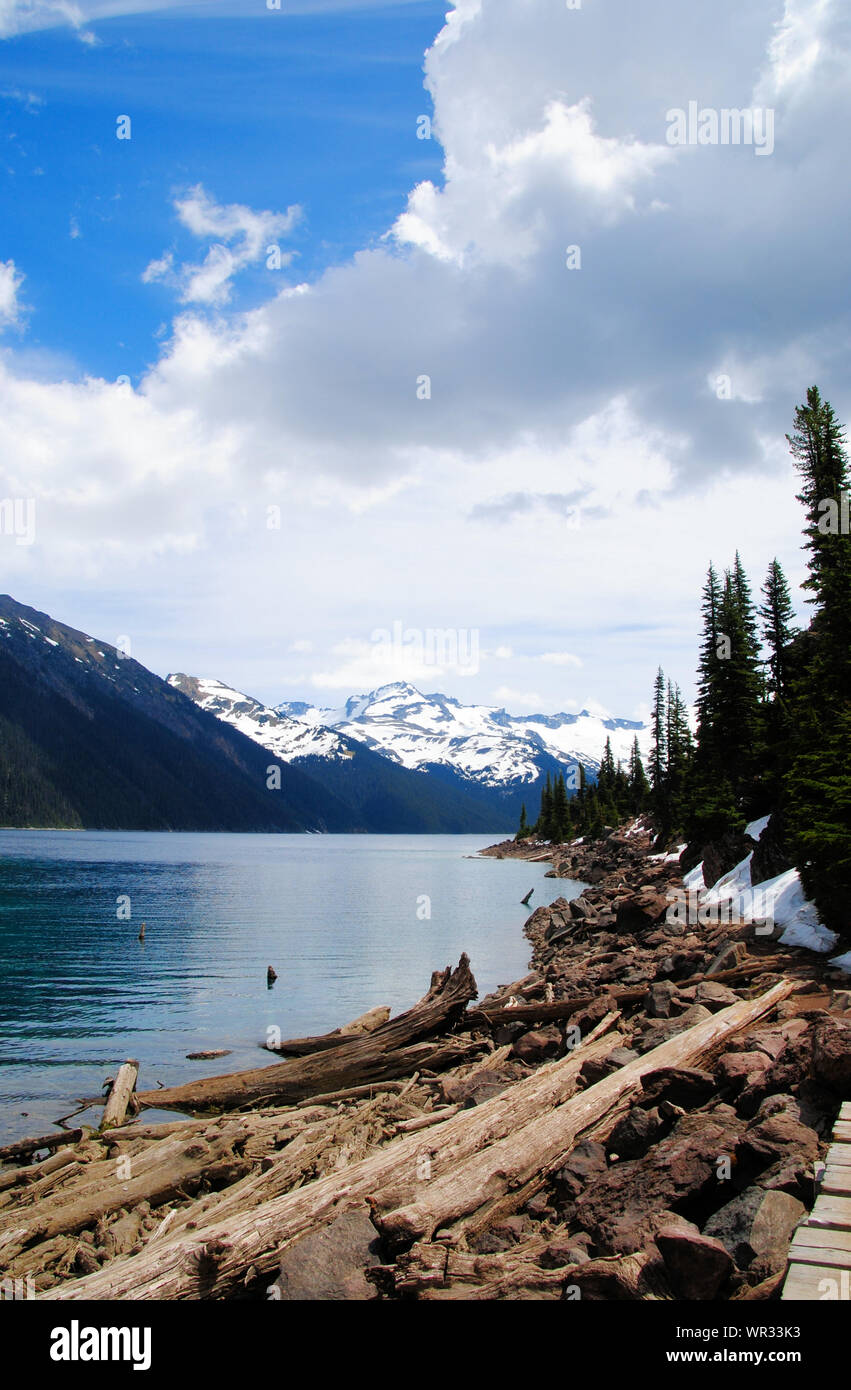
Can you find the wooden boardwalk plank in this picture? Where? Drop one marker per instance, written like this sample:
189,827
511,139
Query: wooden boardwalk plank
839,1154
820,1255
831,1211
836,1182
812,1282
842,1131
845,1110
819,1236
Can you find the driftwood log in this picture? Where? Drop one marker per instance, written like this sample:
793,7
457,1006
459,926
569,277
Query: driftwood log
302,1047
385,1053
25,1148
120,1094
530,1014
249,1224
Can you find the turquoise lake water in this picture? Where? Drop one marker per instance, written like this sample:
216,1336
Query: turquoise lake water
343,920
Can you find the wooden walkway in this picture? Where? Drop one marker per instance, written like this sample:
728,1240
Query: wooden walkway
820,1254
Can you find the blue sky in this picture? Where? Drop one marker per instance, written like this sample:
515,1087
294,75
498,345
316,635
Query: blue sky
279,109
431,413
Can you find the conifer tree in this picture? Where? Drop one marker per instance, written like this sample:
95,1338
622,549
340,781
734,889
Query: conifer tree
711,652
606,775
560,811
639,787
778,628
524,829
818,447
543,826
659,746
817,802
680,751
735,736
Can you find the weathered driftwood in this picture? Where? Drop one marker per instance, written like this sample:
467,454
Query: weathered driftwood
302,1047
438,1272
504,1173
167,1170
212,1260
119,1095
24,1148
372,1057
435,1117
353,1093
560,1009
32,1175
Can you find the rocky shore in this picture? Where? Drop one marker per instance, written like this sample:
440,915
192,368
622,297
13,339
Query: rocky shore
640,1117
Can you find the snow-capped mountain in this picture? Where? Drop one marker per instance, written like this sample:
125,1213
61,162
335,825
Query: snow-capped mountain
474,763
286,738
388,796
479,742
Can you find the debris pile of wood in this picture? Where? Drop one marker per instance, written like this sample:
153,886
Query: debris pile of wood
639,1117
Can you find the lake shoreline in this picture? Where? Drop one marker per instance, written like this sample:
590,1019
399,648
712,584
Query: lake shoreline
522,1145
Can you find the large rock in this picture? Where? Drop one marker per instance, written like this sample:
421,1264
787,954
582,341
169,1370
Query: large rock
329,1264
715,996
581,909
660,999
681,1171
565,1250
737,1069
779,1138
686,1086
633,1135
727,957
756,1223
696,1265
537,1045
585,1164
831,1054
723,854
641,911
480,1086
659,1030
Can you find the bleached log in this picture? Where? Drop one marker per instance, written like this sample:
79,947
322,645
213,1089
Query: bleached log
435,1117
119,1096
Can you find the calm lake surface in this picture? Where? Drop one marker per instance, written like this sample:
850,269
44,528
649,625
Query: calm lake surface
336,915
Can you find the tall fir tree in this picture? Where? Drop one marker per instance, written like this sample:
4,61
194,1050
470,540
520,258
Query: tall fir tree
560,812
680,752
818,448
818,806
543,825
659,745
779,634
778,629
639,787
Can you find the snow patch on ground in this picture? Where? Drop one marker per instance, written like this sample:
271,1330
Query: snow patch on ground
843,962
694,879
672,858
780,900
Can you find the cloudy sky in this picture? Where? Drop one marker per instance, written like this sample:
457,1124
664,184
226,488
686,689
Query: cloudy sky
386,315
